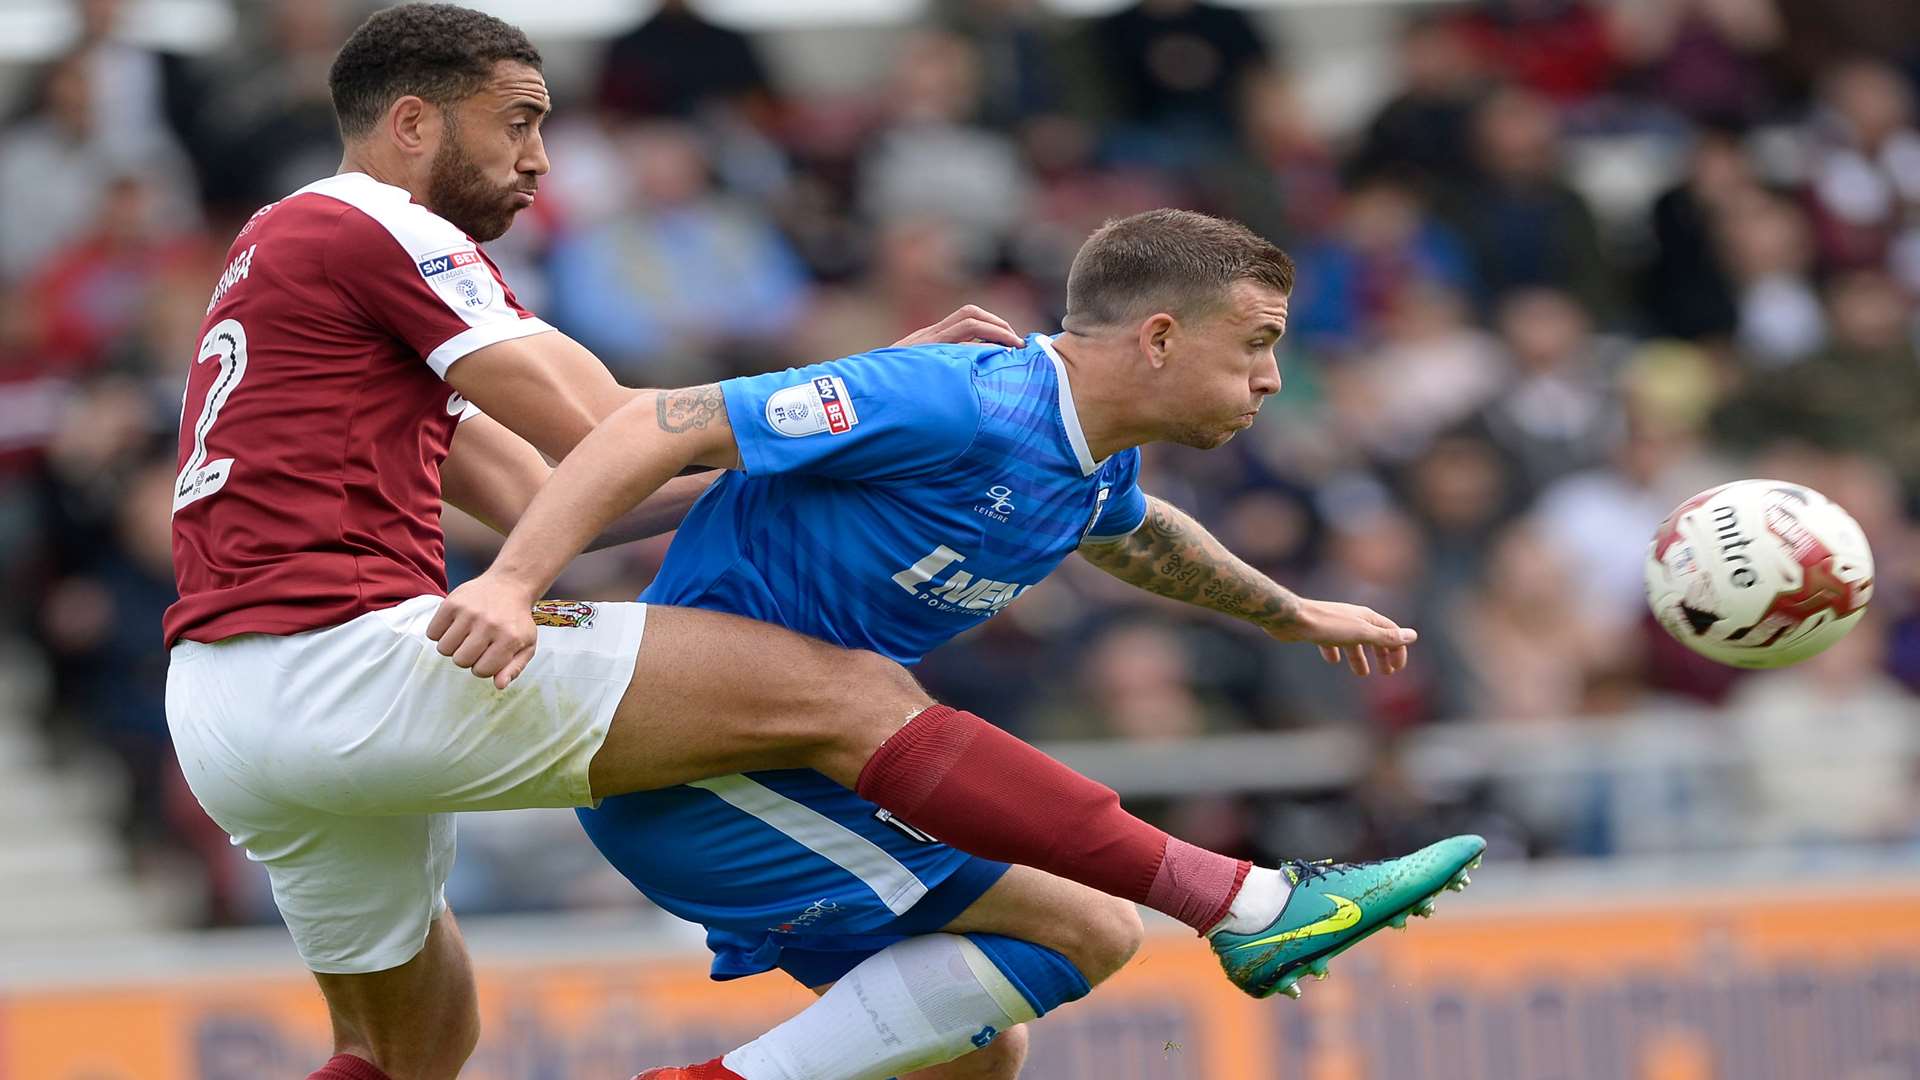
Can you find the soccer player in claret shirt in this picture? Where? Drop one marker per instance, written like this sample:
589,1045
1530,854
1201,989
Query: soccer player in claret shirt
350,349
889,501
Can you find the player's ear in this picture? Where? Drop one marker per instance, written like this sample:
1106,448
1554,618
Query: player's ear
1154,335
413,123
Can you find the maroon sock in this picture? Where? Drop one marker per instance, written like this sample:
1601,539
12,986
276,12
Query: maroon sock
983,791
348,1067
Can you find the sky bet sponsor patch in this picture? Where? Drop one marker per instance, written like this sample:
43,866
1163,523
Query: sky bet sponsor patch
460,277
812,407
441,264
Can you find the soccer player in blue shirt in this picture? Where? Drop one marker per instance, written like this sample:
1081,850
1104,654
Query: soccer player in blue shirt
889,501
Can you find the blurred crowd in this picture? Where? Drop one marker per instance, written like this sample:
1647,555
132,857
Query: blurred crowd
1584,260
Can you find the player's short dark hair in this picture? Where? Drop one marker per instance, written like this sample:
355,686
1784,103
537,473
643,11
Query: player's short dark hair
440,53
1176,261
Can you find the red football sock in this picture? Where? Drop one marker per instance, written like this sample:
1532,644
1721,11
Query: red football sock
952,774
348,1067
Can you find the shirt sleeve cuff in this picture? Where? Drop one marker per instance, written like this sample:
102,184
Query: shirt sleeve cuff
1107,538
740,413
475,338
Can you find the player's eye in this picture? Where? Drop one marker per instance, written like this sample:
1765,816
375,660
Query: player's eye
521,127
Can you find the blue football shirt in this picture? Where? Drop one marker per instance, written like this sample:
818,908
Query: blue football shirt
890,500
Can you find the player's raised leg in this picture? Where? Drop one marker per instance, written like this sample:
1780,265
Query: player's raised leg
714,694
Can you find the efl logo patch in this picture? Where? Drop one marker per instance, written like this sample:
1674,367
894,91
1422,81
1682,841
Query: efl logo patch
818,405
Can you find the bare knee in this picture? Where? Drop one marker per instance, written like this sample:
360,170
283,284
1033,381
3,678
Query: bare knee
1002,1058
872,698
1109,934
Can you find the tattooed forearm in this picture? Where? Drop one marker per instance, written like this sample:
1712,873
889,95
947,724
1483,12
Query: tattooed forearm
1171,554
685,410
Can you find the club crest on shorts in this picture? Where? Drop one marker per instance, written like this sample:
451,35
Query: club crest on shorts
570,613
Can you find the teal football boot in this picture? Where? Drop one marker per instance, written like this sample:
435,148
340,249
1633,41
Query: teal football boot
1334,906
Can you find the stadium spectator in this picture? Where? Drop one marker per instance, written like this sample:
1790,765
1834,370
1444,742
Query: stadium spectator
1532,653
1137,681
1686,290
261,124
1558,48
1286,182
1865,186
1557,414
136,91
1381,246
1174,72
63,135
99,623
932,161
1430,370
917,265
1522,222
681,274
680,64
1859,393
1769,254
1705,58
1822,34
92,291
1425,131
1828,748
1372,550
1034,63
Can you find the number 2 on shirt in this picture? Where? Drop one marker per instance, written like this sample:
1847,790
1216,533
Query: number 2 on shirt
199,478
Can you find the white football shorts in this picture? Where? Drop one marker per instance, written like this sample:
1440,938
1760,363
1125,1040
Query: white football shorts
338,757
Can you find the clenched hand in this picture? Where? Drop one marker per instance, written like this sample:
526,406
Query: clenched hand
487,625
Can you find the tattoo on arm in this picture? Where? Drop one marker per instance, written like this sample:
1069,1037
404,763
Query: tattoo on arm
1172,555
680,411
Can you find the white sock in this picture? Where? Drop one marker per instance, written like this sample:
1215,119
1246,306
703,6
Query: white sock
916,1003
1258,903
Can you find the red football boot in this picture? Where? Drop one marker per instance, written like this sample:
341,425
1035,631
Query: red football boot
712,1070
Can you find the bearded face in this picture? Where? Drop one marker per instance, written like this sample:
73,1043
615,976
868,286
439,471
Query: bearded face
459,189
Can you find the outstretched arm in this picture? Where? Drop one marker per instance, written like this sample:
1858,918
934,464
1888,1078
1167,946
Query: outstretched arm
1174,556
549,391
486,624
493,474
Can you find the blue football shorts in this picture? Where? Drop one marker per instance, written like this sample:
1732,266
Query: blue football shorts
787,870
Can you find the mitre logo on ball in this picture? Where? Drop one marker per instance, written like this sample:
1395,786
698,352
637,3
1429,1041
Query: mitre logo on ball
1759,573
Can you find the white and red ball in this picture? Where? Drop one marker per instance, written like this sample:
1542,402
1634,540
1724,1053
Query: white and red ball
1759,573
